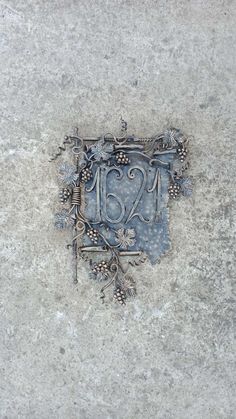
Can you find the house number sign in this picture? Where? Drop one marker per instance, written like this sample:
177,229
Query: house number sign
115,193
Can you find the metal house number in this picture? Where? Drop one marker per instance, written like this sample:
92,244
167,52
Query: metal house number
115,195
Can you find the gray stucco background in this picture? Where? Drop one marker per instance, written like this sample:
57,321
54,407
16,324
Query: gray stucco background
169,354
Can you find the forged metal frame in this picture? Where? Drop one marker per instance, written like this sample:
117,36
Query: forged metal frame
115,197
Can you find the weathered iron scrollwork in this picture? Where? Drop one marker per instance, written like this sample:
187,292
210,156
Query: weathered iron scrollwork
115,196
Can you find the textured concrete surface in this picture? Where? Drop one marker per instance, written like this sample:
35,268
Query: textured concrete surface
170,353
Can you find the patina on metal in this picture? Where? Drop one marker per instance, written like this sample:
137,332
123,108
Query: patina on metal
115,195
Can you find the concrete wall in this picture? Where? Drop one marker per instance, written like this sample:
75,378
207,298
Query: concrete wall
169,354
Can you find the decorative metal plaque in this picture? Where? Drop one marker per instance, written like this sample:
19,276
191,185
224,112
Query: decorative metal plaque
115,194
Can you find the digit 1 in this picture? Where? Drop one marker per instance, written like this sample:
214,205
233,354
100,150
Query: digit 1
97,184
